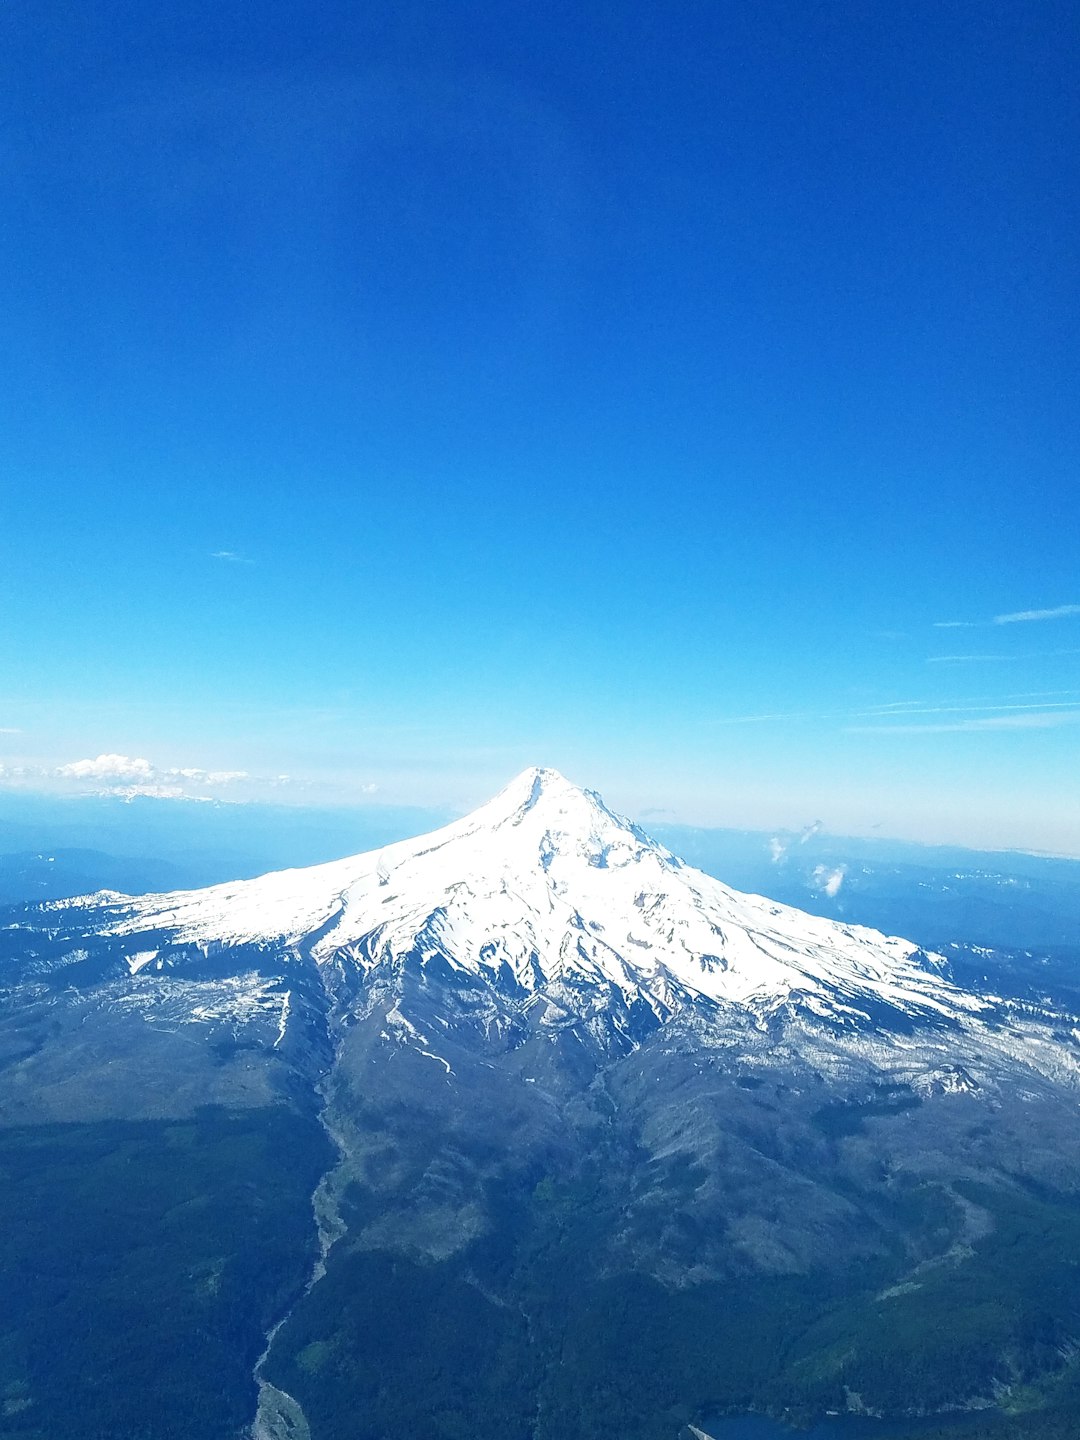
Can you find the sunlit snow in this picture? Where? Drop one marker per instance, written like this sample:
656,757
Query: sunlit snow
548,884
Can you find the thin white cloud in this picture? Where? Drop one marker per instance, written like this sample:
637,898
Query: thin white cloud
231,557
755,719
10,730
1059,612
900,709
983,708
1028,720
1042,694
965,659
1023,720
1020,655
1014,617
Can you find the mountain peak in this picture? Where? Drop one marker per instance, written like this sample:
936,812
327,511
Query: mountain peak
536,778
554,799
527,789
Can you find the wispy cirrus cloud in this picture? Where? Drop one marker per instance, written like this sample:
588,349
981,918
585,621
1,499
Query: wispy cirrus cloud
1059,612
1012,703
1022,655
1013,617
1022,710
756,719
231,557
911,708
1016,720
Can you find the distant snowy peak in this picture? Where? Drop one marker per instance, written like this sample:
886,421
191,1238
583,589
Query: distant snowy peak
545,887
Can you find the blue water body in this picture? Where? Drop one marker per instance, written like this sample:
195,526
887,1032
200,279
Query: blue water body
840,1427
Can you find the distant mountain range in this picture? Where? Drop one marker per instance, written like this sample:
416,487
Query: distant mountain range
607,1145
935,893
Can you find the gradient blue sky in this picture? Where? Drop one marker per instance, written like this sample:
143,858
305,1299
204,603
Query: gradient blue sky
682,395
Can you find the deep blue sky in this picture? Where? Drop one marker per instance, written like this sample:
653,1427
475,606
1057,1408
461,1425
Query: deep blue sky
396,395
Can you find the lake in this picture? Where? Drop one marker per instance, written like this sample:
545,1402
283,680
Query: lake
838,1427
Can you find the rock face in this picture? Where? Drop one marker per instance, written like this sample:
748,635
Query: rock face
538,1025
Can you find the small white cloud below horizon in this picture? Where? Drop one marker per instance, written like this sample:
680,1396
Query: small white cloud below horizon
120,776
827,881
107,767
779,845
130,775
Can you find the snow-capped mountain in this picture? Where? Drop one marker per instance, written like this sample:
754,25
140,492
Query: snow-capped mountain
544,884
559,910
554,911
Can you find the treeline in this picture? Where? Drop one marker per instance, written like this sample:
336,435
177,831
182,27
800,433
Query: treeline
142,1264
